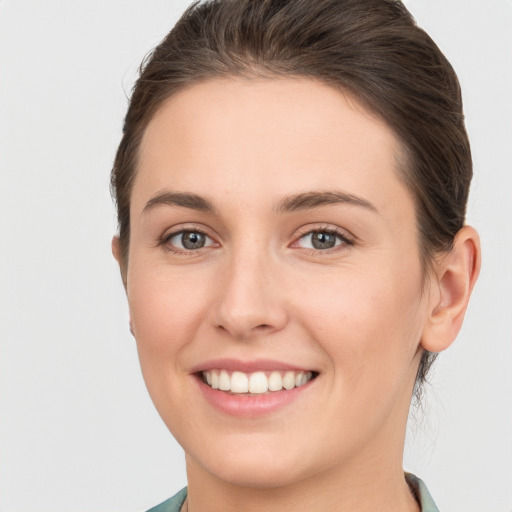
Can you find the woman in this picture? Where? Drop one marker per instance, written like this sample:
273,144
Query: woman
291,189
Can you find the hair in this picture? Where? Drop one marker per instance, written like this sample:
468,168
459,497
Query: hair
370,49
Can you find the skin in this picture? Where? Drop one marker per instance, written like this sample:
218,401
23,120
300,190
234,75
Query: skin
359,314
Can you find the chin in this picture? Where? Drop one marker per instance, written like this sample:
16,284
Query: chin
257,467
256,476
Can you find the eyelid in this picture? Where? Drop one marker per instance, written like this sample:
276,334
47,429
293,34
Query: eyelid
330,228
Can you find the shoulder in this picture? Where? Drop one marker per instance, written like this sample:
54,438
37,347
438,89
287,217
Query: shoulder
173,504
420,491
417,486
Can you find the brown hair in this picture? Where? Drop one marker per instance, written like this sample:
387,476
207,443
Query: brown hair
372,49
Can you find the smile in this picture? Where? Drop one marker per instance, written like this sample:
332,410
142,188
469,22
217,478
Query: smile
255,383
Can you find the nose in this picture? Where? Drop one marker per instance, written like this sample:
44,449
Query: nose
249,302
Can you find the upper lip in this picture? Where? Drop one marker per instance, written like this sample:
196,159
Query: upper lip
247,366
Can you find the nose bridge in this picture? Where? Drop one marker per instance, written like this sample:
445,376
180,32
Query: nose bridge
249,300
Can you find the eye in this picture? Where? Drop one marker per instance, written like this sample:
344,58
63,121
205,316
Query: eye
189,240
322,240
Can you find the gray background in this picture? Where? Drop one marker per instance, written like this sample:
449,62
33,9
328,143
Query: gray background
77,429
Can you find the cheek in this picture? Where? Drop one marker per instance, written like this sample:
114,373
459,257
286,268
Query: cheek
165,309
167,312
368,330
367,322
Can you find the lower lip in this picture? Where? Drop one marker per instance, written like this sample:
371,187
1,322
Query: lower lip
251,406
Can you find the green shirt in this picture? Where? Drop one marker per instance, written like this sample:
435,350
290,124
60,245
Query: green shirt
418,488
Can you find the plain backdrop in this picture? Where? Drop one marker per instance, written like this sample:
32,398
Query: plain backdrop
77,429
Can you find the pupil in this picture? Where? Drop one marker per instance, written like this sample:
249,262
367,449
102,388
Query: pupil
192,240
322,240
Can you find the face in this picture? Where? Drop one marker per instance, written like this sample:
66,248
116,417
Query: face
274,255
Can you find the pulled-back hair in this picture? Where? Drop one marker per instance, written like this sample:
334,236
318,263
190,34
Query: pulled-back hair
371,49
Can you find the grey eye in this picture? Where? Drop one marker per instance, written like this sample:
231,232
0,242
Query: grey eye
320,240
190,240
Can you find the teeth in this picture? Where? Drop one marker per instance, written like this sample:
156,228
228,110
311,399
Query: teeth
255,383
275,382
258,383
289,380
215,380
224,381
239,383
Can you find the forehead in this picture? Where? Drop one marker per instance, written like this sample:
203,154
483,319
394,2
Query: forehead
267,138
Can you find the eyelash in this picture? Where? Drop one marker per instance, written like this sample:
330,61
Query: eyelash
345,239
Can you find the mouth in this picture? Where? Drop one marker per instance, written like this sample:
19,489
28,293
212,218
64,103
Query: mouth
255,383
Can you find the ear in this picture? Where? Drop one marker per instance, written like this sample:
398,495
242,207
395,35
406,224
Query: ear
450,289
117,253
116,248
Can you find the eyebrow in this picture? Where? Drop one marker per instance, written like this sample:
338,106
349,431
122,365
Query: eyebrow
309,200
183,199
297,202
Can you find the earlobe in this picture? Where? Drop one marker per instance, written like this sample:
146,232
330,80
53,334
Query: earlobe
451,289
